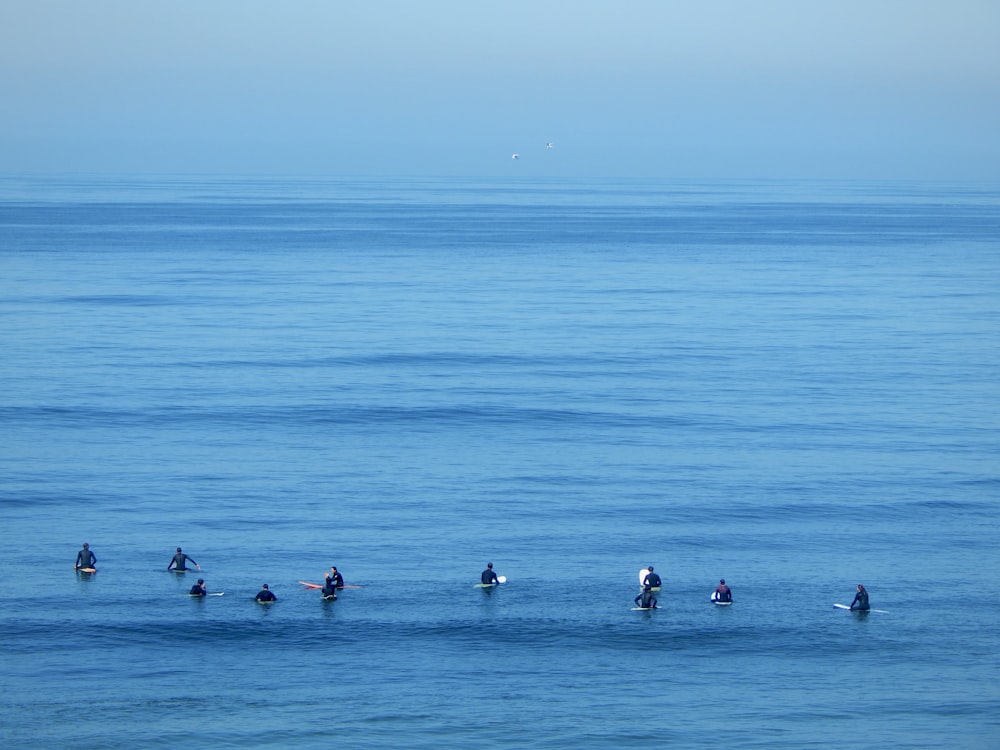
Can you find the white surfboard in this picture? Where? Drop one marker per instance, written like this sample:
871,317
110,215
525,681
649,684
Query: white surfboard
643,609
715,600
642,577
844,606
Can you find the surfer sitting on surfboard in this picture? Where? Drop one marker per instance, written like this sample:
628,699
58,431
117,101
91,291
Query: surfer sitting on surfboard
861,600
265,594
331,582
651,579
488,577
722,592
199,588
334,575
85,558
645,600
179,560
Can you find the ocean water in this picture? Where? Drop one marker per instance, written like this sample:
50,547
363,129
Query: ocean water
792,385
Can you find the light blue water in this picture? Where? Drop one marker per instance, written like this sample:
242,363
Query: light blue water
790,385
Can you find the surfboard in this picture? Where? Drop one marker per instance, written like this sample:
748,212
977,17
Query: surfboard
643,609
844,606
501,579
320,585
642,577
86,570
716,601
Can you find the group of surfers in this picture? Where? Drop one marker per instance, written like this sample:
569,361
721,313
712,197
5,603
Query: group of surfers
333,581
651,582
86,562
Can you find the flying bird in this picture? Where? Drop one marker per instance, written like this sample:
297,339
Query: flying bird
515,156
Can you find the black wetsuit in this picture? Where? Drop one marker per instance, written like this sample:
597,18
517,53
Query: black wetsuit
653,580
723,594
178,562
489,577
861,599
330,586
645,599
85,559
197,590
265,596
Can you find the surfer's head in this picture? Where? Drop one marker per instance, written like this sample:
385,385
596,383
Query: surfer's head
722,581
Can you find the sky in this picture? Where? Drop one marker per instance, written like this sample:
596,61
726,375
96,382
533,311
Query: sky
634,88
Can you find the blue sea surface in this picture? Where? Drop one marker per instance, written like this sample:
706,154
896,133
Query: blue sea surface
791,385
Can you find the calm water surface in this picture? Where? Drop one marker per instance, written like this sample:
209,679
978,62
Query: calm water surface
790,385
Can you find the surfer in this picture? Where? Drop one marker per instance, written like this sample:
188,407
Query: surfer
645,599
179,561
85,558
861,600
723,592
488,577
332,581
651,579
265,594
199,588
334,575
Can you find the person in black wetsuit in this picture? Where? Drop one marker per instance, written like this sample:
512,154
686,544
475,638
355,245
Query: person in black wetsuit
651,579
85,558
265,595
645,598
488,577
199,588
331,582
179,561
861,600
722,592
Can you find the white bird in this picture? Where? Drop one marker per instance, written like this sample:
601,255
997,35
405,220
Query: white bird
548,145
515,156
